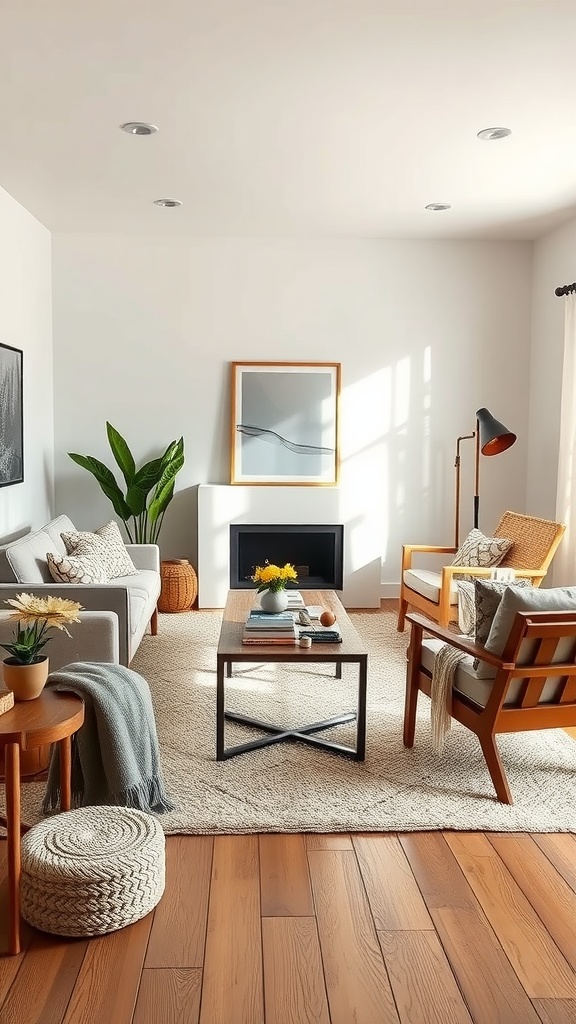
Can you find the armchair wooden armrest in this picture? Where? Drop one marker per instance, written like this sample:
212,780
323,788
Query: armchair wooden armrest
409,549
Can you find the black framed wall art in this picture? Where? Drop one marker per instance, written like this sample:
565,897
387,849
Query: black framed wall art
284,427
11,416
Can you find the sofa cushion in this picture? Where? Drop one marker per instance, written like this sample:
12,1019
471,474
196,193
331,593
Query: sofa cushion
27,557
107,546
55,528
81,567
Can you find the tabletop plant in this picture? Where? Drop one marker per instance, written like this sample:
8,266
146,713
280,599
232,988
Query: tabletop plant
273,577
36,616
149,489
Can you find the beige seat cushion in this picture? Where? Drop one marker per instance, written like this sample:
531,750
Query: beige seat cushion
427,583
467,681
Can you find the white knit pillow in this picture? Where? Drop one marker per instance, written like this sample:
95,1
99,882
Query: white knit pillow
107,546
81,567
480,551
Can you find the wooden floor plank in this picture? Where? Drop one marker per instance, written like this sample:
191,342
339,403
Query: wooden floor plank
561,852
294,989
485,975
393,894
556,1011
178,933
168,997
438,874
107,985
45,982
284,879
468,940
328,841
232,991
356,980
422,982
553,900
542,970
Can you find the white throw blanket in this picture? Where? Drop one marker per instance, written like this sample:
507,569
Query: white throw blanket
445,664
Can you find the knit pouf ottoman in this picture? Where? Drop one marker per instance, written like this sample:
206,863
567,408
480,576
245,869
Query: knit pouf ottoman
92,870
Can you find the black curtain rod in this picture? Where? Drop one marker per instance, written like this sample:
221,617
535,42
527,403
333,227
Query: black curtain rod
565,289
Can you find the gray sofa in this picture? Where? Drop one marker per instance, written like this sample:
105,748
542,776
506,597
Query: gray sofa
116,614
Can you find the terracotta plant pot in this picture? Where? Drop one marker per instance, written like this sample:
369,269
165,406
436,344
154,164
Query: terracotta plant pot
25,681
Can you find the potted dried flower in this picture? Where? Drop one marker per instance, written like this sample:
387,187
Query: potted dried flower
26,670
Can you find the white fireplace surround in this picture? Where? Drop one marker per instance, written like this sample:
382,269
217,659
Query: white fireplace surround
219,505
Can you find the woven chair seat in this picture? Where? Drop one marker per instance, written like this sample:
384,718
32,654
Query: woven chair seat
92,870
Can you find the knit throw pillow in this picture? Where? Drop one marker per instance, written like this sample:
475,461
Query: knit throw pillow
81,567
107,546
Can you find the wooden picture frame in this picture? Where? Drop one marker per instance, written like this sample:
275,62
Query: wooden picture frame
11,416
285,424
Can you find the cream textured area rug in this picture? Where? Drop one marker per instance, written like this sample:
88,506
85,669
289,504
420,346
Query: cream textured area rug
292,787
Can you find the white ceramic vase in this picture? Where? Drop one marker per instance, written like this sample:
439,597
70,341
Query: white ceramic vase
273,601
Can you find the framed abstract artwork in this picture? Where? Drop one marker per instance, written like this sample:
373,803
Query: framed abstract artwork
11,417
284,427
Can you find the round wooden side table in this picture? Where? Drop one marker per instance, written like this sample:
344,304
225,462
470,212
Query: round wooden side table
50,718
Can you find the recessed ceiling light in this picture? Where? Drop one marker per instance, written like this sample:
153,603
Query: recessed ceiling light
438,206
494,133
167,202
138,128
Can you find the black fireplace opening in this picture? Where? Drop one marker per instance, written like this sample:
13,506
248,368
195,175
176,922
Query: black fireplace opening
316,552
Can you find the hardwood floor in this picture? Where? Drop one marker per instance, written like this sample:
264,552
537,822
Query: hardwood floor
426,928
418,928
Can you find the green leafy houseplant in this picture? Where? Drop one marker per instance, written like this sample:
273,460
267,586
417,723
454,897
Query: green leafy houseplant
149,490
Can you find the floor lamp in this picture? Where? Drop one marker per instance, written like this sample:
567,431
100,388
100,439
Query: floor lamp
491,437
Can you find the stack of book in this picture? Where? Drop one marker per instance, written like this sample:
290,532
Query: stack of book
295,599
262,628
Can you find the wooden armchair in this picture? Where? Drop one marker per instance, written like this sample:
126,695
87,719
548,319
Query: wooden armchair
534,686
436,593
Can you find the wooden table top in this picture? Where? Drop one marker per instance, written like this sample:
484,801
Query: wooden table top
46,719
240,602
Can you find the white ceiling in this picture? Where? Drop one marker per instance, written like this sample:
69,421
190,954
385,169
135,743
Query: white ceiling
291,118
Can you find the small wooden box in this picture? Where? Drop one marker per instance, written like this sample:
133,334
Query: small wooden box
6,701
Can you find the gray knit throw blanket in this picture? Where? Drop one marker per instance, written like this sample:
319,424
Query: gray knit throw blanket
115,756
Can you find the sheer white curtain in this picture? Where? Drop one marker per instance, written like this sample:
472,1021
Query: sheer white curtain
565,559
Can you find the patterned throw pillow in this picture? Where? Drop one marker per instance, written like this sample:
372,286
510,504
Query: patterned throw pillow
480,551
107,547
466,607
81,567
488,595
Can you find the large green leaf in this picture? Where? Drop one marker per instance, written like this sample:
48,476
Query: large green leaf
161,500
148,476
174,450
136,500
122,453
107,482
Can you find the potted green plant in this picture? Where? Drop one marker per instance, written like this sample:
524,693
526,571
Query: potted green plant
149,489
26,670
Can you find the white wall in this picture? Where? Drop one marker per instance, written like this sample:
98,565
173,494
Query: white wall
554,263
145,330
26,323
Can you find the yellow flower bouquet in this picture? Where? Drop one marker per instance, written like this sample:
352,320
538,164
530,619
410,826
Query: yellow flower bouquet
273,577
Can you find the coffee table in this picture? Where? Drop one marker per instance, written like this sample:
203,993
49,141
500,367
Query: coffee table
231,650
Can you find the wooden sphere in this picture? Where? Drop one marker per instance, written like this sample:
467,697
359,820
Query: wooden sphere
327,618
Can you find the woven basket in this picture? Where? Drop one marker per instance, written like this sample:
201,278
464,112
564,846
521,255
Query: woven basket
179,586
